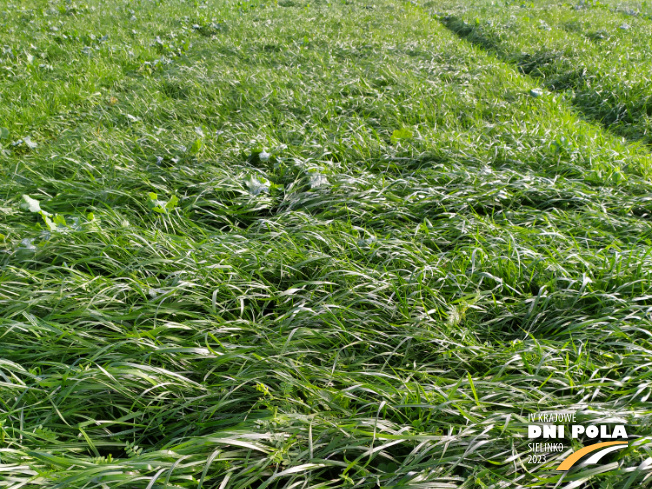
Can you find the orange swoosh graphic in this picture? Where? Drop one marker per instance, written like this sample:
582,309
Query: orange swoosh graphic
570,460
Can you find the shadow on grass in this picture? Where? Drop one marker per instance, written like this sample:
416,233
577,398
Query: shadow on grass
622,116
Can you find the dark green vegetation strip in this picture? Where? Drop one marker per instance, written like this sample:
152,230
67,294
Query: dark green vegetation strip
293,245
601,55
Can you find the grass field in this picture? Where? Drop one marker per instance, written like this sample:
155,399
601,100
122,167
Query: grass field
310,244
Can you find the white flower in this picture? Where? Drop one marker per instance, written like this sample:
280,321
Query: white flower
27,244
258,185
264,155
317,180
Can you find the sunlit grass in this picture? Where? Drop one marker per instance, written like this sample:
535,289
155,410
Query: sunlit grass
599,54
297,244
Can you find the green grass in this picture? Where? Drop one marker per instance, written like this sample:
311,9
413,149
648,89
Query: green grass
601,54
371,254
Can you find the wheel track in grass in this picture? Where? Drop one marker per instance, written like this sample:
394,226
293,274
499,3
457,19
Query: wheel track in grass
616,117
494,49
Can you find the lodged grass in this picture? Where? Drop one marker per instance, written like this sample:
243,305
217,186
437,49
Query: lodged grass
297,244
